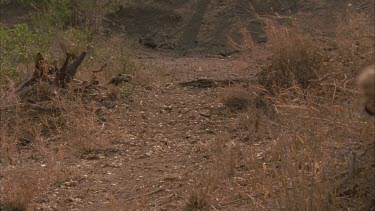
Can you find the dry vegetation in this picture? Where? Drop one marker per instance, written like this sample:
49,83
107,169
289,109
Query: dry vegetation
45,133
39,143
320,150
299,140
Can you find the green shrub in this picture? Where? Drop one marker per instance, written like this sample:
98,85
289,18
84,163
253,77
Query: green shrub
19,45
51,13
79,40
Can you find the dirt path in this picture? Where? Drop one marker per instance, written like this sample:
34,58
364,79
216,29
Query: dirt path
171,130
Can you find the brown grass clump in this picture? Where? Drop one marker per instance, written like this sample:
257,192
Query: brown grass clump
295,60
200,195
355,39
22,184
198,200
309,157
316,152
321,151
38,144
237,99
41,140
315,148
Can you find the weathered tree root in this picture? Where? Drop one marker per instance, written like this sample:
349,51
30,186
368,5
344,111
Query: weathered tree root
37,92
211,83
56,78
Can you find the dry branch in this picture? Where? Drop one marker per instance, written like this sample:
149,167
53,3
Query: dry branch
68,71
27,83
120,78
212,83
45,73
37,92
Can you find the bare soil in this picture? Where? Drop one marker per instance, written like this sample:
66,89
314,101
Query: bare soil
188,27
172,129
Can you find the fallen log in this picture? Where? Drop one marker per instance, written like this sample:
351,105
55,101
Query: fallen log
68,71
38,92
41,69
27,83
211,83
120,78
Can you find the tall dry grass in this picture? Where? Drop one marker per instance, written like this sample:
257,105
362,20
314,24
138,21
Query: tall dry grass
296,59
316,151
39,146
40,142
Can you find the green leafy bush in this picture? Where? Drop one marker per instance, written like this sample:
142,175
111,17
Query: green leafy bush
19,45
79,40
51,13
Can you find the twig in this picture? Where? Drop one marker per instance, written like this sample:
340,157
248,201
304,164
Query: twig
24,90
363,5
353,165
324,77
78,81
295,106
368,147
341,88
334,92
28,82
211,83
72,68
292,5
325,120
143,195
6,107
101,68
42,108
53,138
233,201
61,74
353,169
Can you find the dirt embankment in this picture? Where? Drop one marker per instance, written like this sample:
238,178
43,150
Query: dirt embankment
185,26
210,27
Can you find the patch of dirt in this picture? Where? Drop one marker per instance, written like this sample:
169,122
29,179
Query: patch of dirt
168,127
202,26
171,127
12,14
210,27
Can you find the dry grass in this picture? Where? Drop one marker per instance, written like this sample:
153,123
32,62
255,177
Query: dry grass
295,59
309,157
314,146
23,183
40,144
237,99
317,134
198,199
316,152
355,39
37,147
299,143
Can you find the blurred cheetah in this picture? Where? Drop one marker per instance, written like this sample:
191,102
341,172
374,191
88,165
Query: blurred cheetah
366,82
